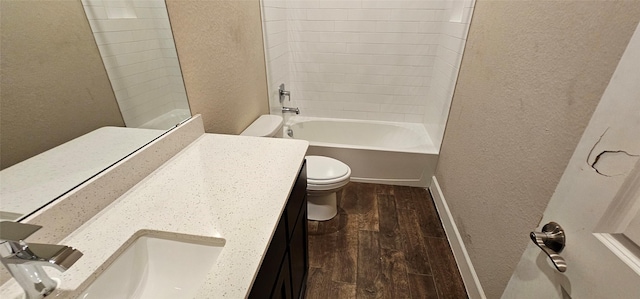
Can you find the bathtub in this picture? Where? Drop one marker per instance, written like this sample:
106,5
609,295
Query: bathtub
377,152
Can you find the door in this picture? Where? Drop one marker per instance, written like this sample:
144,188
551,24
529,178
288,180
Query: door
597,203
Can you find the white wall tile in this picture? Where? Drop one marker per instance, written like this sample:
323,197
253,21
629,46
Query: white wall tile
364,79
385,116
310,104
362,107
274,13
274,3
410,100
296,14
147,3
398,27
392,49
317,26
365,59
135,39
340,3
277,39
407,80
323,37
368,14
319,47
274,27
363,88
355,26
414,15
413,118
445,73
417,4
366,98
302,3
452,43
405,109
326,14
400,38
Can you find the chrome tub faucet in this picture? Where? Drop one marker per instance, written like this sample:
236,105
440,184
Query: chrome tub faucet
291,109
285,93
25,260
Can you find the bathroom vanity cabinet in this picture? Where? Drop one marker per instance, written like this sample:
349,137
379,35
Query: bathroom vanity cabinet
224,201
284,269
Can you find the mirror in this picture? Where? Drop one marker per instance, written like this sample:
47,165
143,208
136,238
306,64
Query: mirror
83,85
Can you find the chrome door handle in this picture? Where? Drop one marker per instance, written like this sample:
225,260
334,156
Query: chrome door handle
551,240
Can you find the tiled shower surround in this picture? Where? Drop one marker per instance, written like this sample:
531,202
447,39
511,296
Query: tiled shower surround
366,59
136,45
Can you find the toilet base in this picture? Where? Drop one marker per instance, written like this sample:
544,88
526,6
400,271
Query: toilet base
322,207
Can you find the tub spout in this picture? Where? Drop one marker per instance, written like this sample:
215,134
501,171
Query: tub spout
291,109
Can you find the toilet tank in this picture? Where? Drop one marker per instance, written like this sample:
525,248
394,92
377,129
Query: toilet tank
265,126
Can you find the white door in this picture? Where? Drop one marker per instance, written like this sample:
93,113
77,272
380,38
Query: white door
597,203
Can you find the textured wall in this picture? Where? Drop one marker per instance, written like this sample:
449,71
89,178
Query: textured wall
53,84
532,75
221,54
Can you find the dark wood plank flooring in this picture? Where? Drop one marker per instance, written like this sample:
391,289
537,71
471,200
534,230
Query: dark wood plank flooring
385,242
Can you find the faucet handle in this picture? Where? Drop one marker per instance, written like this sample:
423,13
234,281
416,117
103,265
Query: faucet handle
283,93
15,231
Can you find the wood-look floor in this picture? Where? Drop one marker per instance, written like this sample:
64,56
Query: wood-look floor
385,242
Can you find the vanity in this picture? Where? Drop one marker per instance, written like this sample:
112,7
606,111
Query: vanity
245,197
225,216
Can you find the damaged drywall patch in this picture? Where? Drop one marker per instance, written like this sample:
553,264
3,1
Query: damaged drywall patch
611,162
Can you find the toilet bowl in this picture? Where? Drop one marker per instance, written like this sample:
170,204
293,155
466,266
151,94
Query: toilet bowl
325,176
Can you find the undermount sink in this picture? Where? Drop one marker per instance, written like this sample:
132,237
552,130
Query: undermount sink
154,267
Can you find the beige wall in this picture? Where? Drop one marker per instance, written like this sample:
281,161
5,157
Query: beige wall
532,75
53,86
220,49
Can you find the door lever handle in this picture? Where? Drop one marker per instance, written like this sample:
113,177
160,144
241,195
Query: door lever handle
551,240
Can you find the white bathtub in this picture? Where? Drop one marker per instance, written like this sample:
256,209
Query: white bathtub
377,152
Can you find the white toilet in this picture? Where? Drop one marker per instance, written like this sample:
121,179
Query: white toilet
325,176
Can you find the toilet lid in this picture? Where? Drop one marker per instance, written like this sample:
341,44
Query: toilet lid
325,168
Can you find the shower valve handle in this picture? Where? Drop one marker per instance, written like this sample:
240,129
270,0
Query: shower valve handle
283,93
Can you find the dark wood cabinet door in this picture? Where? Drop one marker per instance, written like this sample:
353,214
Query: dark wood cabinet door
283,273
299,252
267,275
282,289
297,198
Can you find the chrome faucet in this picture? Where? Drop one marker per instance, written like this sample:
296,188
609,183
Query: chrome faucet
25,261
291,109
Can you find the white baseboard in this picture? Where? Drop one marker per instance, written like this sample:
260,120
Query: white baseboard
468,273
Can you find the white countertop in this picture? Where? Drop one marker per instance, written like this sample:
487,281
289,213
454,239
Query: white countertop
221,186
32,183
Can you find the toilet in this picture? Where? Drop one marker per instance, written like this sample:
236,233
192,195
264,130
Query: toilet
325,176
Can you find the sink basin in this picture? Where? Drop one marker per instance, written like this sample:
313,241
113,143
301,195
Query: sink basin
157,268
